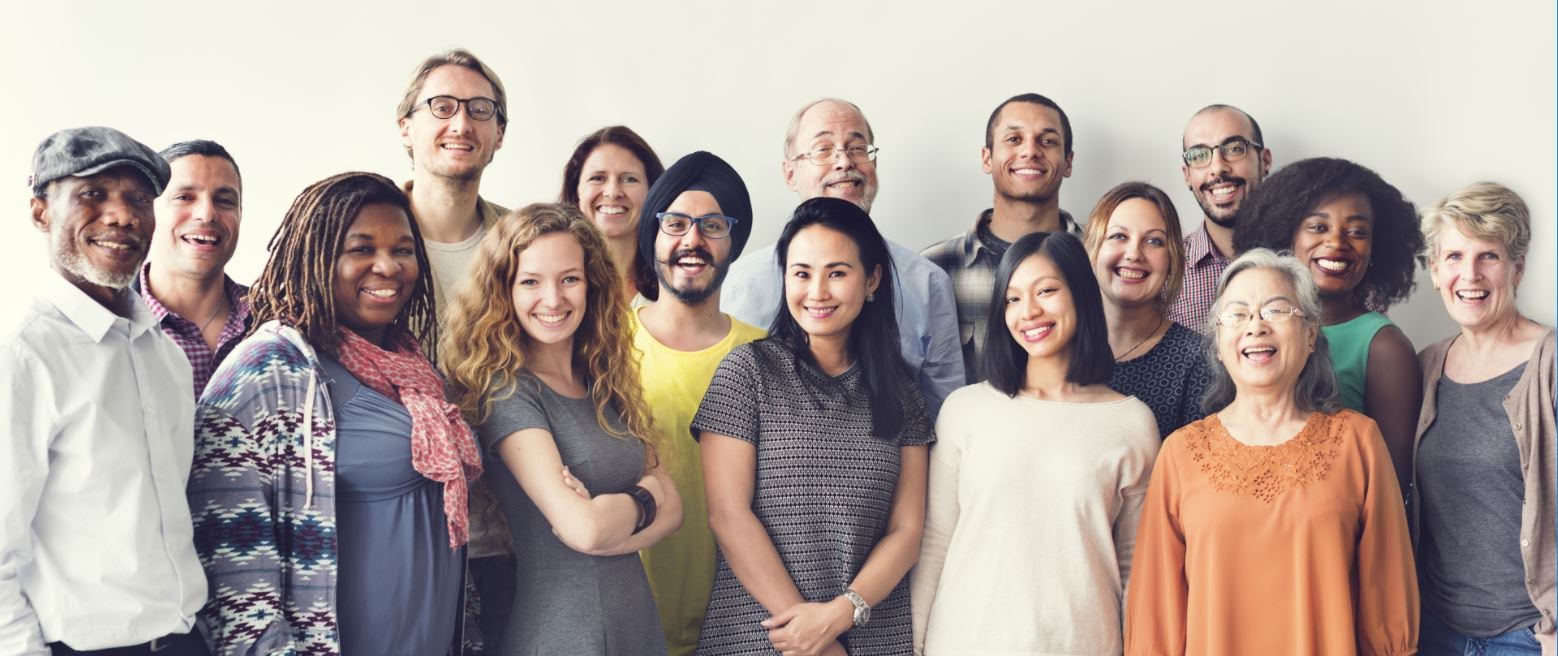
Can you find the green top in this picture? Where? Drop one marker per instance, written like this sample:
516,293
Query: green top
1349,342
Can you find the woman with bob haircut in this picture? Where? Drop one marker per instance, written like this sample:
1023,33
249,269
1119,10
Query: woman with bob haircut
607,177
1133,238
549,377
1038,475
330,474
1274,525
1358,237
1485,474
814,448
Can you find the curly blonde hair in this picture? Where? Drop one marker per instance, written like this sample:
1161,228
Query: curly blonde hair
483,344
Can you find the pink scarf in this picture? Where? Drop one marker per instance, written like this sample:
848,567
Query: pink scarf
442,447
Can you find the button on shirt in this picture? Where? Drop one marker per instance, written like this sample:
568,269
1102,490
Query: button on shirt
96,546
1203,267
922,298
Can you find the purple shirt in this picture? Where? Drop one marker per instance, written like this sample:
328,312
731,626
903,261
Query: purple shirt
1203,267
187,335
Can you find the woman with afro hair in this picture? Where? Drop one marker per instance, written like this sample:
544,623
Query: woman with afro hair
1359,238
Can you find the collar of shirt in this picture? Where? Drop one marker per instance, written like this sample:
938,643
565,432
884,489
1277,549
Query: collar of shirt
237,298
981,238
86,314
485,210
1198,247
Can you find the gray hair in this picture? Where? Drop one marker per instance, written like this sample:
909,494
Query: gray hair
1316,389
795,122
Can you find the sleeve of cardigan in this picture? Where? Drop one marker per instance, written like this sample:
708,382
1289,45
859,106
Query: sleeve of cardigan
941,516
1155,611
1387,604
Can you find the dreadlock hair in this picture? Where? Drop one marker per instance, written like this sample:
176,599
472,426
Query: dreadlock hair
485,346
297,286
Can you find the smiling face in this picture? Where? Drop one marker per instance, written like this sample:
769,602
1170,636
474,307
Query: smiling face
457,147
825,283
550,290
692,266
1221,186
837,125
1261,354
612,187
198,217
376,272
1335,240
1132,263
99,228
1476,279
1027,159
1040,313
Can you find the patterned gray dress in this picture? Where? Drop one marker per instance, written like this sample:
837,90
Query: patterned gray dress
824,490
567,602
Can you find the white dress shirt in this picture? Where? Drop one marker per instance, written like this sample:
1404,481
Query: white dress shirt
96,546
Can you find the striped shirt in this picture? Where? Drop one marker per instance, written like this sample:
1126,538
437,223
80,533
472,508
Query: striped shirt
970,259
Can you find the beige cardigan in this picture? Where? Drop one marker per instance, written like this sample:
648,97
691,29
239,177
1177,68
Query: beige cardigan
1530,409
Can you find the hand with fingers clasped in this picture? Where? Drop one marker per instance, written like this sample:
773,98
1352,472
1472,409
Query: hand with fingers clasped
811,629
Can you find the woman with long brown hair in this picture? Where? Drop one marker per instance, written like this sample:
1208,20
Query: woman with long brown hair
608,177
540,358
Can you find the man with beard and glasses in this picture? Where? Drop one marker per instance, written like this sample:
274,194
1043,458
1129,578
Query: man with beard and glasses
695,221
184,282
452,118
1224,159
1027,153
97,552
829,151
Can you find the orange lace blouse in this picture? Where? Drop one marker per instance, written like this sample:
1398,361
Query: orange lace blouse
1298,548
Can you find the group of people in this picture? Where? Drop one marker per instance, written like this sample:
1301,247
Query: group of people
601,426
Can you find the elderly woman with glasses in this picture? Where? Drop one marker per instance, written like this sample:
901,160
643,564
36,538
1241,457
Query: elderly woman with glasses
1274,525
1483,501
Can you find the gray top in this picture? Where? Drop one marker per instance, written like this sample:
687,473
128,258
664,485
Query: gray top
398,587
1468,472
567,602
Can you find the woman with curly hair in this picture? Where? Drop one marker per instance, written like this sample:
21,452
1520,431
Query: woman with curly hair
330,474
548,375
608,177
1359,238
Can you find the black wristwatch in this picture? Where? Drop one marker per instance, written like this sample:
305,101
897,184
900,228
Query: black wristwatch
646,507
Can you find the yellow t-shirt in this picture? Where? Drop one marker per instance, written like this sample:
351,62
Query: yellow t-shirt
681,566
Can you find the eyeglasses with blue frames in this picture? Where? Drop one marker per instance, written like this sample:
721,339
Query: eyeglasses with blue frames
1233,150
1238,317
478,108
713,226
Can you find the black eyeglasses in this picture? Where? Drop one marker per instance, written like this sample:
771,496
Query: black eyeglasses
824,155
478,108
713,226
1233,150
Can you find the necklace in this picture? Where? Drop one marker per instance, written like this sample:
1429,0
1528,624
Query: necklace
218,312
1128,352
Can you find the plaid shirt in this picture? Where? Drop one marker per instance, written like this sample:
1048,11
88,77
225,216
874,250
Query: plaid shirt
1203,267
187,335
970,259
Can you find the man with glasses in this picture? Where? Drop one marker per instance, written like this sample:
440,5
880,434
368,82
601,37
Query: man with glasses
696,219
828,151
1028,155
1224,159
452,118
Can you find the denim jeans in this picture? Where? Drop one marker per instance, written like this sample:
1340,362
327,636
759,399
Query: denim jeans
1437,639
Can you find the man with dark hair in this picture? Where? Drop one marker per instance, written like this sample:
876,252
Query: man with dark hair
829,151
1224,158
184,283
1028,151
97,550
452,117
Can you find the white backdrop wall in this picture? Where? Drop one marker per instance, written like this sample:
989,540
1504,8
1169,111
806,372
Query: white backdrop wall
1432,95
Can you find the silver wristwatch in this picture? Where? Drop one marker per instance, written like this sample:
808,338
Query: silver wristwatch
862,609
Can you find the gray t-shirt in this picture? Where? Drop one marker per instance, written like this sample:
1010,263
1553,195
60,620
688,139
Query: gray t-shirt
1468,471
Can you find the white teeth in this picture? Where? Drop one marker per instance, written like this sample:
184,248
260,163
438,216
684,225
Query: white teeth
691,261
1223,192
1472,294
612,210
458,147
1131,274
1260,349
382,293
1034,333
843,182
202,239
118,246
1332,265
551,318
1027,171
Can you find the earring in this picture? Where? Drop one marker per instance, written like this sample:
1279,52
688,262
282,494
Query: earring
870,296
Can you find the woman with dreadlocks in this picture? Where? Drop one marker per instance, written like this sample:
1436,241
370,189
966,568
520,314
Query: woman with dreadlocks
329,481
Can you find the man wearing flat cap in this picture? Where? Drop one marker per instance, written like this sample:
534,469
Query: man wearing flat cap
695,220
96,547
